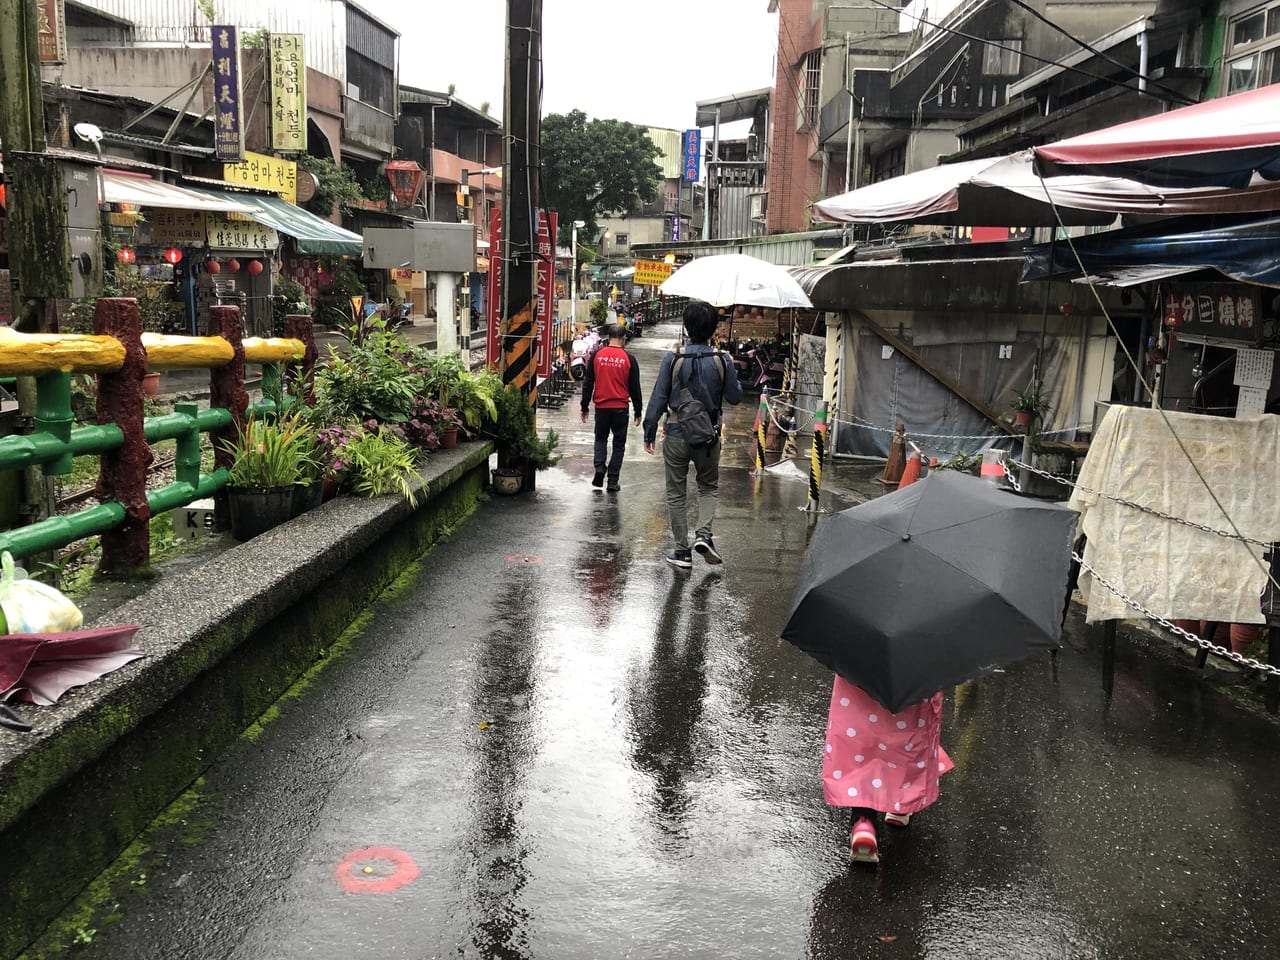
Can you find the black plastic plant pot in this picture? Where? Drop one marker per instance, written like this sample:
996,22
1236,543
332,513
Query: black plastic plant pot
255,510
306,497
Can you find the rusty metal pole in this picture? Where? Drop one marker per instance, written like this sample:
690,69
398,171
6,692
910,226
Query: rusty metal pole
520,174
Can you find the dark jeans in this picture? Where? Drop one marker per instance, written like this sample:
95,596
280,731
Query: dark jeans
615,422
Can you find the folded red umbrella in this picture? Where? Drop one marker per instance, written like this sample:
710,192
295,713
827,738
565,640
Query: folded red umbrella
40,667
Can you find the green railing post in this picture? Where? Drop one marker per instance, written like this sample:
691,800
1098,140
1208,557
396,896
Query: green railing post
53,417
186,458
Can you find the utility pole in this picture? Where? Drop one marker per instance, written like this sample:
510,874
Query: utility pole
520,173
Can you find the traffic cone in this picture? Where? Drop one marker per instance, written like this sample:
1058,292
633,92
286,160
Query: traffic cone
897,457
910,473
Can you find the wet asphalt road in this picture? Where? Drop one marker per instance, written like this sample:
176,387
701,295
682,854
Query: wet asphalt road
563,748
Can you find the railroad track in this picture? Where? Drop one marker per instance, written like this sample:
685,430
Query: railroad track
80,496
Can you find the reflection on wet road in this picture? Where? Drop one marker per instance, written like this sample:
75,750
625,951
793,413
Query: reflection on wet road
587,754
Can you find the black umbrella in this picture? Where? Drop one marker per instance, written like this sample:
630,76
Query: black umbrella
931,585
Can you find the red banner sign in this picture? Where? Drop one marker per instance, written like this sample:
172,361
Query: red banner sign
493,291
545,314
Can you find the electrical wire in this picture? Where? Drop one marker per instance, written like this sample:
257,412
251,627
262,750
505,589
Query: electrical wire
1030,56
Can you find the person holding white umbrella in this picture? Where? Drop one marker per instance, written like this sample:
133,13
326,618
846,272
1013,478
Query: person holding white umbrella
698,375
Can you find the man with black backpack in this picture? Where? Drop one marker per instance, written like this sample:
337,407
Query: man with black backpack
693,386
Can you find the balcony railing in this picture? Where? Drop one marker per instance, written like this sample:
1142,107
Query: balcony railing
367,125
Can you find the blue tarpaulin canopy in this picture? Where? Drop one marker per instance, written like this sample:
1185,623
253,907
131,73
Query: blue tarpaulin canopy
1243,249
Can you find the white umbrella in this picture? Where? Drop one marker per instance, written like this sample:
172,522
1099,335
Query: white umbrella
734,278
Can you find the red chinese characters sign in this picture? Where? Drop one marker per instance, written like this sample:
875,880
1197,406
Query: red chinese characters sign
51,30
493,292
545,312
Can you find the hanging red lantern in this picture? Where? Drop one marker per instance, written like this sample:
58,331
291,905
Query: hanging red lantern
233,265
126,255
213,267
255,267
173,255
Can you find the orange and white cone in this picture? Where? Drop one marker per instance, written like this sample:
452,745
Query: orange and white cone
911,472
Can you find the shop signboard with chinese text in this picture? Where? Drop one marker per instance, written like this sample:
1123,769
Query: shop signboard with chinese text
548,223
177,228
225,234
288,92
51,30
270,173
406,178
493,306
228,117
650,273
691,154
1213,311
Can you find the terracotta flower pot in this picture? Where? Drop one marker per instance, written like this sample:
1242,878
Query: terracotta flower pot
449,438
1022,418
150,384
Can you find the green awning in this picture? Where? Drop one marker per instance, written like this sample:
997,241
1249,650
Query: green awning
312,235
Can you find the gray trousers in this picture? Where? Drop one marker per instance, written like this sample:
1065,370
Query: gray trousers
678,456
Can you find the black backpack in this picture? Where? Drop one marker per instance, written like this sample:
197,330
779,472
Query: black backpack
696,421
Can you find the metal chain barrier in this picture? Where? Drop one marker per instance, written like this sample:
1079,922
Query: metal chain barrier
1133,504
1190,637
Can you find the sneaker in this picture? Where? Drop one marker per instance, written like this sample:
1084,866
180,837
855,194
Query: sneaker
897,819
614,486
862,842
708,550
680,558
598,479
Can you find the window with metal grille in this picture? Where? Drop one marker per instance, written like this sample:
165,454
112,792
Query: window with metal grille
811,73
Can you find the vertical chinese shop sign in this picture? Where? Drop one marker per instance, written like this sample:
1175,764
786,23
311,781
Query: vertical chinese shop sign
288,92
545,316
228,141
493,298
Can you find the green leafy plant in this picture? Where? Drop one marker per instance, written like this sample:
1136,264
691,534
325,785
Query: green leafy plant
1029,399
336,185
515,433
372,382
288,297
474,397
963,462
381,463
598,311
273,454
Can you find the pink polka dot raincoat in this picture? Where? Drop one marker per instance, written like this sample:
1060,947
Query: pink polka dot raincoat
886,761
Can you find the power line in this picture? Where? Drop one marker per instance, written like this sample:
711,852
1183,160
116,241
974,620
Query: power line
1030,56
1096,52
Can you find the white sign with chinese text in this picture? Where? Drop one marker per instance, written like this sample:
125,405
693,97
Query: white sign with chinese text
225,234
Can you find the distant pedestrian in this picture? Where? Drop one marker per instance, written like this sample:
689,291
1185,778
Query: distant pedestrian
877,762
711,381
612,378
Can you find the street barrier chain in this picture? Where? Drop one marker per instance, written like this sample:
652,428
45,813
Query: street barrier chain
1238,658
1131,503
1198,641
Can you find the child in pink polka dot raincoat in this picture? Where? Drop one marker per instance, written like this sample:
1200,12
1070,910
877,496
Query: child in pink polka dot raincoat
881,762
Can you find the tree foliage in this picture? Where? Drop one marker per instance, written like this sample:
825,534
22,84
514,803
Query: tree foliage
594,167
336,185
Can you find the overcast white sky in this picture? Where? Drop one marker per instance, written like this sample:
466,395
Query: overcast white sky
644,61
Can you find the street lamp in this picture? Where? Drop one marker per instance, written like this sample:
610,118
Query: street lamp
573,277
483,172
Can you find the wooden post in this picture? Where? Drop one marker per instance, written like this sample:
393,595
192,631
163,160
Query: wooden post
226,389
123,471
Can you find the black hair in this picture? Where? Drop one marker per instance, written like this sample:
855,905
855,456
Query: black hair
616,331
700,321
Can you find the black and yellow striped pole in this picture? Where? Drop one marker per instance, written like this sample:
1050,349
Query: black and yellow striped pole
762,421
519,205
816,452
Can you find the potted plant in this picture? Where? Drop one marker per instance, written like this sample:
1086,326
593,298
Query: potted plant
520,450
270,460
1027,405
449,425
473,397
380,463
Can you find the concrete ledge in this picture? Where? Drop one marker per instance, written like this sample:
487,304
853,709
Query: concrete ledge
223,640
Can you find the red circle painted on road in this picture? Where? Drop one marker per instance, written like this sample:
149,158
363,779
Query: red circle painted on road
352,879
524,558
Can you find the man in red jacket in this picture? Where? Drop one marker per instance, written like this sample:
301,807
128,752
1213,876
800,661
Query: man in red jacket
612,379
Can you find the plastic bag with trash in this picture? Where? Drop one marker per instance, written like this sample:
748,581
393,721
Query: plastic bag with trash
29,606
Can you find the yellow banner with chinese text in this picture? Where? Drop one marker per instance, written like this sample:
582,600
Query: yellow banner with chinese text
650,273
270,173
